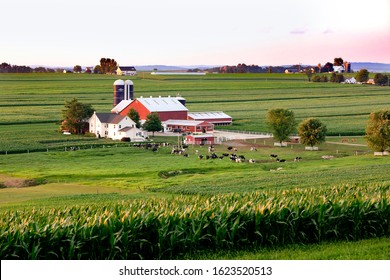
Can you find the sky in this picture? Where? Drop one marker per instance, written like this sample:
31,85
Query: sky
193,32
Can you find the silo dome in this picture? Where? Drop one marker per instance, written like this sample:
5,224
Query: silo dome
119,83
128,82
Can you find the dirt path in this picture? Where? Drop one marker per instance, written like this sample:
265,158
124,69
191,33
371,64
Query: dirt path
347,144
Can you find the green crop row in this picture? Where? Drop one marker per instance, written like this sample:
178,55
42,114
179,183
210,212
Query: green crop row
170,228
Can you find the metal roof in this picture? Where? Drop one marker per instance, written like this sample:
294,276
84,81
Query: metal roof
127,68
162,104
121,106
183,122
208,115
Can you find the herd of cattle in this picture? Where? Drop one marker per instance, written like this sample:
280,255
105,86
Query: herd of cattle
231,153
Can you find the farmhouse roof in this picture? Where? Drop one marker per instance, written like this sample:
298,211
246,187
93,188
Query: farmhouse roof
162,104
208,115
127,68
109,118
125,129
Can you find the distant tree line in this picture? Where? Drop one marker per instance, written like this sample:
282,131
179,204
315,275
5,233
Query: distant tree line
8,68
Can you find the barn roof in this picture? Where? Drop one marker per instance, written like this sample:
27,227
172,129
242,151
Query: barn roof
109,118
208,115
121,106
127,68
162,104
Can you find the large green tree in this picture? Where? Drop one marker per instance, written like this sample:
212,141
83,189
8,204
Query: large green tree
133,114
378,130
362,76
281,122
152,123
312,132
381,80
75,116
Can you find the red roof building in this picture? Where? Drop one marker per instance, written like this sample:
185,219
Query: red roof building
188,126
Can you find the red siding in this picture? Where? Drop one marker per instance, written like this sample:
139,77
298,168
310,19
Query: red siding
178,115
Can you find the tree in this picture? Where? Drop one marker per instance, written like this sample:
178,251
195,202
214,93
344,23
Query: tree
309,73
337,78
77,69
362,76
75,116
338,61
281,122
97,69
152,123
378,130
312,132
133,114
381,80
108,65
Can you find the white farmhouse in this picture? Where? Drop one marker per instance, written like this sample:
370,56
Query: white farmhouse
114,126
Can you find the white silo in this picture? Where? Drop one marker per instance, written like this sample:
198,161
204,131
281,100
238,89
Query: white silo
129,90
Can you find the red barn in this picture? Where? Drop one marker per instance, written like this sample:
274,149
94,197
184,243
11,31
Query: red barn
166,107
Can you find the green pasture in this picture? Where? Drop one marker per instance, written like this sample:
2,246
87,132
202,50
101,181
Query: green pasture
36,100
78,171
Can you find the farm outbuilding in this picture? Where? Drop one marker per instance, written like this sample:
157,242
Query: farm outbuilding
188,126
199,139
216,118
126,71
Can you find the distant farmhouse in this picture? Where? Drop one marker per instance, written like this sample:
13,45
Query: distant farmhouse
126,71
172,112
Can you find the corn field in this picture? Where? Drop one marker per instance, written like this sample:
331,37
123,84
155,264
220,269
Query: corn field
170,228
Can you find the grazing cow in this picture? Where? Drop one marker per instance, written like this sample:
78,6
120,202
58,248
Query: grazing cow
252,161
207,157
200,156
214,156
241,157
280,160
235,149
230,148
221,157
238,160
225,155
185,155
297,159
253,149
273,155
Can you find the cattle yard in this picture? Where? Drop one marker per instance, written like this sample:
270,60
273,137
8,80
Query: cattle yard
121,177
